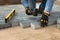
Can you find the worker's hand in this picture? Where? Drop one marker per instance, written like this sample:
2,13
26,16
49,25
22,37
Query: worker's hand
44,19
31,11
35,12
28,11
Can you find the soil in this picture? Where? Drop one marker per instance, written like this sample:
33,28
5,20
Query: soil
18,33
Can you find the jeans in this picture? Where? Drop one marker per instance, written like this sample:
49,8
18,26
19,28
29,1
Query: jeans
46,4
29,3
25,3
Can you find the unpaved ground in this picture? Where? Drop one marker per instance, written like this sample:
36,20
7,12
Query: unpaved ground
17,33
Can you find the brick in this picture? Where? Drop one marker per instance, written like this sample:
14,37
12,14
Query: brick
58,26
24,24
35,25
58,23
52,19
5,25
16,23
2,20
58,20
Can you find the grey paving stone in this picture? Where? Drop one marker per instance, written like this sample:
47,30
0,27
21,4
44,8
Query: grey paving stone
35,25
5,25
58,23
52,20
24,24
2,20
21,16
58,20
58,26
15,23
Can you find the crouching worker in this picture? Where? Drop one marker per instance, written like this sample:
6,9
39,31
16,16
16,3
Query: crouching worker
44,8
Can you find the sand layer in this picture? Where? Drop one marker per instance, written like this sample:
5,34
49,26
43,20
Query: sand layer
17,33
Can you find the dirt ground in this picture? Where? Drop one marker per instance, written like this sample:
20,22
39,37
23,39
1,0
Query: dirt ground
17,33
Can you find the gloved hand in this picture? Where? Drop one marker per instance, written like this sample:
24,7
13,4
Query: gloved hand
35,12
31,11
28,11
44,19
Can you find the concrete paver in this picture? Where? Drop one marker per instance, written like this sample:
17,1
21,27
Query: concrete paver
21,16
58,23
35,25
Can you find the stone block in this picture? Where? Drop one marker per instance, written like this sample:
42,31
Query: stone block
35,25
58,23
24,24
5,25
16,23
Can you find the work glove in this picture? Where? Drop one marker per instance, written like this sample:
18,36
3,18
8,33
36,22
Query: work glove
44,19
35,12
31,11
28,11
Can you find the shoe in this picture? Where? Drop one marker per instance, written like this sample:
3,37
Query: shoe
44,19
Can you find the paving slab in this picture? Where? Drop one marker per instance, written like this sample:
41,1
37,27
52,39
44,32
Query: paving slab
58,23
5,25
21,16
15,23
35,25
24,24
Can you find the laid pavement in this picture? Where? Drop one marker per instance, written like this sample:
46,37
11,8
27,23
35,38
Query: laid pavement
20,18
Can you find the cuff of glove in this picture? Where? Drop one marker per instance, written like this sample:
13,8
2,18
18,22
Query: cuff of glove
46,13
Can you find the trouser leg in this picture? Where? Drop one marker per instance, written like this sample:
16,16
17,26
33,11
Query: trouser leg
25,3
49,5
43,3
